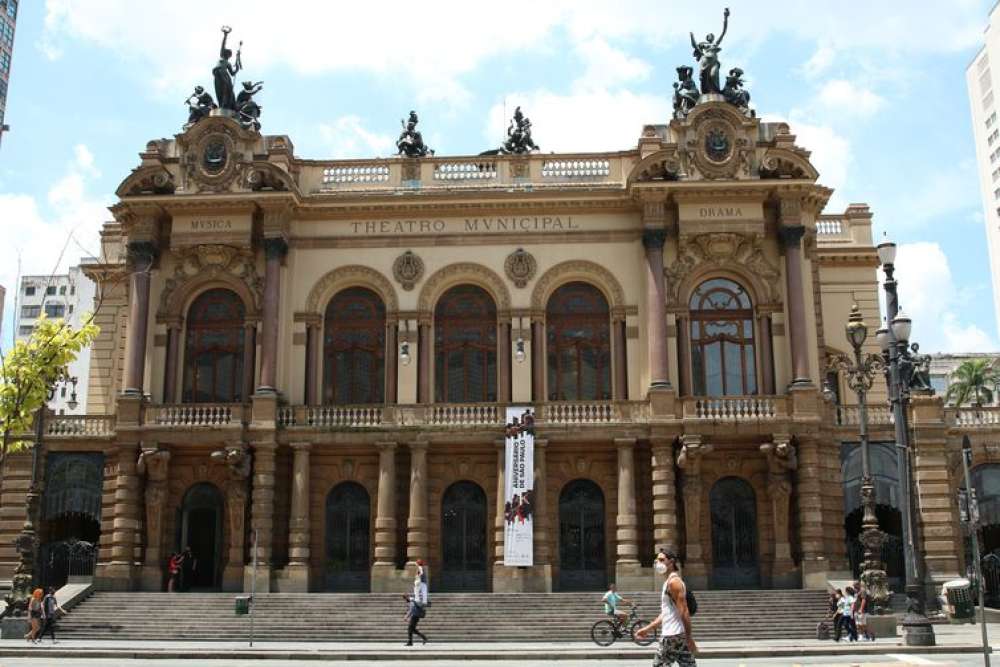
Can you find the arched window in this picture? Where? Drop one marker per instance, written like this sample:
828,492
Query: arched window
213,349
578,344
465,346
354,348
722,345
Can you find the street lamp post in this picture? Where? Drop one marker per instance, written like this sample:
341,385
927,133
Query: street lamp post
26,543
860,374
902,365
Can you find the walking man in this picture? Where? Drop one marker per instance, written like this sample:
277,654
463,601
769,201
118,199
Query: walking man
676,642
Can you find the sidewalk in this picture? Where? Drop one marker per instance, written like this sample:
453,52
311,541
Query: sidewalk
950,639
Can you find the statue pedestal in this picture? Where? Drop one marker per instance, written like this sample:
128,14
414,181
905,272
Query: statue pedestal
14,628
227,113
708,97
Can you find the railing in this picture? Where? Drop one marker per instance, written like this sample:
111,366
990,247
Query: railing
735,408
829,227
471,414
985,416
850,415
575,168
83,426
367,173
601,412
342,416
194,414
465,171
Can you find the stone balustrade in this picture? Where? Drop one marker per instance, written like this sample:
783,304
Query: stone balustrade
974,417
736,408
471,414
194,414
465,171
83,426
850,415
593,412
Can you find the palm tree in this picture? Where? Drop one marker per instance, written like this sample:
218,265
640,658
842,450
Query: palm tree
973,382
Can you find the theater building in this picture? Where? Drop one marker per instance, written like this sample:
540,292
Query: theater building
308,361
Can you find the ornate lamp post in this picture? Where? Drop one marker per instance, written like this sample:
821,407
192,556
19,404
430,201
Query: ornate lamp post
860,374
906,369
26,543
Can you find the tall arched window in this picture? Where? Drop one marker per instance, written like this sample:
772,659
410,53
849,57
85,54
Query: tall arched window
578,344
354,348
213,349
465,346
722,345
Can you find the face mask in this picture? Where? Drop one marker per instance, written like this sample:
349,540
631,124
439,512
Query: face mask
660,567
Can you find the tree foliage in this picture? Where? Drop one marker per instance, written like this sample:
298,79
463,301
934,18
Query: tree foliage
973,382
32,367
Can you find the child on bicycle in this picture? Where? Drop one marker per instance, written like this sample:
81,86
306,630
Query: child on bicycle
611,602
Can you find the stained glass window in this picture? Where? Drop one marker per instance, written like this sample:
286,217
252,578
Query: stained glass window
578,344
213,349
465,346
723,361
354,348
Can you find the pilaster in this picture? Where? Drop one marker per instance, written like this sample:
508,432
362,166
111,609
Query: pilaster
416,524
296,577
262,514
154,463
628,574
689,460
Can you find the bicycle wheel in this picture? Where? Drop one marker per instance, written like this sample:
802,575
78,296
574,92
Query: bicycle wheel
642,641
603,633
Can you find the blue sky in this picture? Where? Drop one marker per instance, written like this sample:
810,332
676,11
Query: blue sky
875,89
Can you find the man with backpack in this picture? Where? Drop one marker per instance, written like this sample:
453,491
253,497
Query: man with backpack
676,641
50,607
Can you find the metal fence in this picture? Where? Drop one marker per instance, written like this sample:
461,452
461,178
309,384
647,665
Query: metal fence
59,561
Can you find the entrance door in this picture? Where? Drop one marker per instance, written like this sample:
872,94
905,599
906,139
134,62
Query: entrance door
463,538
348,531
71,516
582,561
201,530
734,535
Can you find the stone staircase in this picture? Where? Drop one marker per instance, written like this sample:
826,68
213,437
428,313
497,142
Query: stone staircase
471,617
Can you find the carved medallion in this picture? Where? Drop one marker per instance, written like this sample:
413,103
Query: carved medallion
519,168
717,145
214,155
411,170
520,267
408,269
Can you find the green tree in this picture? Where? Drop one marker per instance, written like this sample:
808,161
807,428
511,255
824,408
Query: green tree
30,368
973,382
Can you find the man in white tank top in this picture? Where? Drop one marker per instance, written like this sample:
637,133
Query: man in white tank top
676,643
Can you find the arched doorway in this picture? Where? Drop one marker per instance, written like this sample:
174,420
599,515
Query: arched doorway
348,538
986,482
883,462
734,535
463,538
200,529
582,558
71,516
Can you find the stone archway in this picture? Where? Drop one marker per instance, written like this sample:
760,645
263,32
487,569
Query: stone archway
735,540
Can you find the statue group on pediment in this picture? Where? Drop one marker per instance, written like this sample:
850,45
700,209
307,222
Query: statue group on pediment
411,142
687,93
242,107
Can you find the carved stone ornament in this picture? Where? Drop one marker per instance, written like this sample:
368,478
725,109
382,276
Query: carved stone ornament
408,269
520,267
520,167
213,158
411,170
722,250
154,180
205,262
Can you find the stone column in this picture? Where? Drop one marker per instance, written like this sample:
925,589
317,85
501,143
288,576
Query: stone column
503,361
237,462
141,256
781,464
627,571
424,394
621,359
119,573
275,250
689,460
249,358
683,355
766,354
543,555
384,567
262,512
538,361
416,524
815,564
154,463
664,495
299,535
314,345
653,241
391,360
174,333
791,233
499,523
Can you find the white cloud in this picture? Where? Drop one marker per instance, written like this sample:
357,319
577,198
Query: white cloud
929,295
347,138
608,66
819,62
849,97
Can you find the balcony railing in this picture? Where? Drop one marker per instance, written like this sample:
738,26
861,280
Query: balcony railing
83,426
850,415
985,416
470,414
194,414
736,408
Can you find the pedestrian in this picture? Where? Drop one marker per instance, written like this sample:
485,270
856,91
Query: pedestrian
34,615
50,611
420,584
189,565
847,614
676,642
174,564
835,599
414,612
862,605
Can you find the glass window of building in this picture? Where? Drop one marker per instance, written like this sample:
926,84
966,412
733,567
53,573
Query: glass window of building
354,348
578,344
29,290
722,344
213,349
55,310
50,290
465,346
31,311
25,330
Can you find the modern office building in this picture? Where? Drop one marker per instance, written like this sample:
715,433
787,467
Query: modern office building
69,296
8,21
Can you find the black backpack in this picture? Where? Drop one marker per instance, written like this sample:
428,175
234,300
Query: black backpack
692,601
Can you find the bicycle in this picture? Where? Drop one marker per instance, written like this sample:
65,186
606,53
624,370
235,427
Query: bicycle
605,631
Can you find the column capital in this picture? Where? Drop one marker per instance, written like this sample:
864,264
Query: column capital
541,443
791,235
142,254
275,247
624,443
417,446
654,238
386,446
301,446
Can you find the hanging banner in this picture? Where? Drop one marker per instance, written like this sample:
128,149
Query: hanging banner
519,482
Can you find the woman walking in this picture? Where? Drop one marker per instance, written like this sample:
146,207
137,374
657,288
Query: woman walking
35,615
50,610
417,602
